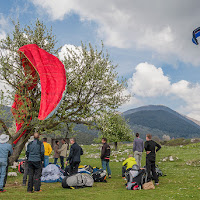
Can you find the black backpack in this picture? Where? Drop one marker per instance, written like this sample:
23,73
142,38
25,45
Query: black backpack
99,176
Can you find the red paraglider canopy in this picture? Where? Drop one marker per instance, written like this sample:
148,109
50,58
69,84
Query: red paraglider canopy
52,76
41,65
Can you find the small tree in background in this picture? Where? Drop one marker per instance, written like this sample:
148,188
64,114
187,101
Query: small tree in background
166,138
115,128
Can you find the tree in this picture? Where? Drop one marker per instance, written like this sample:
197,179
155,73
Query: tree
93,84
166,138
115,128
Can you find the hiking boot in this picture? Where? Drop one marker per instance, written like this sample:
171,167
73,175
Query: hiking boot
2,190
109,176
157,184
38,191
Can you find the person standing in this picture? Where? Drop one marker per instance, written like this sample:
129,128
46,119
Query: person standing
47,151
150,147
63,152
5,151
35,156
56,153
74,156
138,147
26,163
105,156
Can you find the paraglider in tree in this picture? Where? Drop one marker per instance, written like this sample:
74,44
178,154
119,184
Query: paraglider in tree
196,34
41,66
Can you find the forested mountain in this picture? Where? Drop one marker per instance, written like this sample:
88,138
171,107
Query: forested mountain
160,120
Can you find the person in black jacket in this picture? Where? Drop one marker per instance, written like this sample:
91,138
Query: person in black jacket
105,156
74,156
150,147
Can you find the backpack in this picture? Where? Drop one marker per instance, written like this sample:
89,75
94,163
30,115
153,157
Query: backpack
136,177
77,181
159,172
21,166
89,168
99,176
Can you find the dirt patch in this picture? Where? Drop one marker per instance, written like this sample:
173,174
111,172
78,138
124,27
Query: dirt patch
15,184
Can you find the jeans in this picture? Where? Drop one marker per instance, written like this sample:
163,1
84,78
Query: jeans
73,168
5,179
138,157
62,162
34,171
3,165
105,164
151,167
55,160
46,160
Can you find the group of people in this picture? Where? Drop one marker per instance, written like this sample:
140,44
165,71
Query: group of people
151,147
37,157
38,152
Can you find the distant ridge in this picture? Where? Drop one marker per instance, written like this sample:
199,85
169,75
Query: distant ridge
161,120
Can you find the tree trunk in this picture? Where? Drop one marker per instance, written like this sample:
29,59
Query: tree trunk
18,149
115,143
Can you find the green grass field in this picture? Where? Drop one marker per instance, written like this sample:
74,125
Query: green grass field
182,180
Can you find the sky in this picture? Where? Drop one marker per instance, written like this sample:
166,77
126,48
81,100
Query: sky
150,41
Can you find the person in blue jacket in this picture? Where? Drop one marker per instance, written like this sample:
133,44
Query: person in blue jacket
5,151
35,156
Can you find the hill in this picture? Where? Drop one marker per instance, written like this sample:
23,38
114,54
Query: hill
160,120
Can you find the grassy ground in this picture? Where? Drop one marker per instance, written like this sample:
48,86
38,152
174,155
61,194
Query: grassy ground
182,180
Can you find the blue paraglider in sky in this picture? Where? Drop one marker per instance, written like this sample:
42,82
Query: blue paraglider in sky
196,34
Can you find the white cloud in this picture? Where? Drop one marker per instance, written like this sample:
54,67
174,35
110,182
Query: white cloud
3,25
149,81
65,50
162,26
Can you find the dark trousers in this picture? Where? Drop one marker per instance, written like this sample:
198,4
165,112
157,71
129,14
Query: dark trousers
151,167
73,168
55,160
62,162
123,171
25,172
34,172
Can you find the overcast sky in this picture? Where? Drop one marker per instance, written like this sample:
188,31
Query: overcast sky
151,41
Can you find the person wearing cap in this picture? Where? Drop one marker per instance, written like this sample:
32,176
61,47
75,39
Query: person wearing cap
5,151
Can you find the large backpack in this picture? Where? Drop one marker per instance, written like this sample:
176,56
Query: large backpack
21,166
99,176
135,178
77,181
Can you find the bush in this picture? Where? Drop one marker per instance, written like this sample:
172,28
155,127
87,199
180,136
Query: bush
176,142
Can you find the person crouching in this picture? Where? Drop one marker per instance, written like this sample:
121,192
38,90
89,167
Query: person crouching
128,164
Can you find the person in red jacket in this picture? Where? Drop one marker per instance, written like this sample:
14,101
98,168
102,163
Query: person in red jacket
105,156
